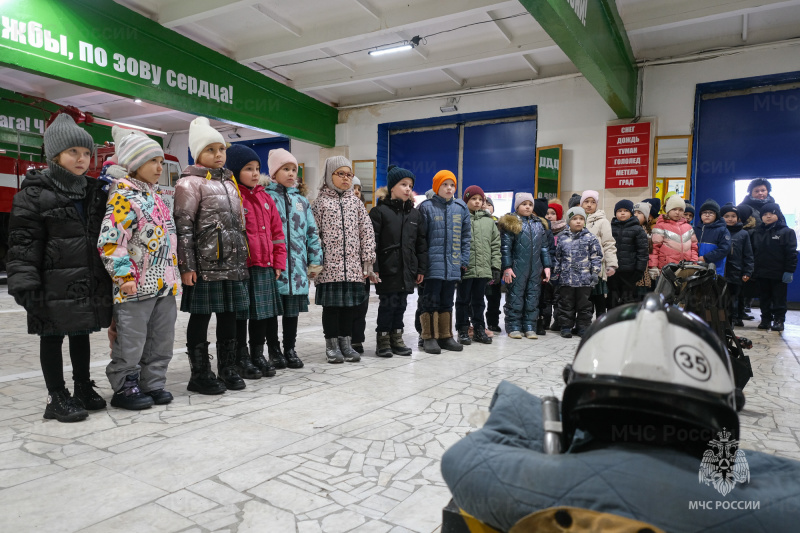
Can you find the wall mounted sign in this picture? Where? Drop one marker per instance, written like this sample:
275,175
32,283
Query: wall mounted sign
628,155
548,172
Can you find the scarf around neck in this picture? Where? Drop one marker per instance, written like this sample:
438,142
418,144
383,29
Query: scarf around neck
71,185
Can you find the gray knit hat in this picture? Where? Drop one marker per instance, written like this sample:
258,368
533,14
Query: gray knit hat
331,164
63,133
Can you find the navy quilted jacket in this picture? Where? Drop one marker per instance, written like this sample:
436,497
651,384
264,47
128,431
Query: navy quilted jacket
449,237
525,247
740,258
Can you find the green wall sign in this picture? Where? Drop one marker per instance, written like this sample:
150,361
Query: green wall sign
548,172
102,45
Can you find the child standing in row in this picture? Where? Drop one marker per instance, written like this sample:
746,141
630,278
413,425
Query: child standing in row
555,217
348,246
402,257
449,239
713,239
304,255
578,265
673,238
54,271
600,227
525,260
641,211
139,248
266,261
484,259
493,288
633,252
739,264
212,257
775,250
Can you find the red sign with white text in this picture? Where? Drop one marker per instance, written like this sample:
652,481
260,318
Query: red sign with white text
628,156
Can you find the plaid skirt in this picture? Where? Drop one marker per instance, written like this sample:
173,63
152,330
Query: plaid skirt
294,304
265,301
340,294
600,288
206,297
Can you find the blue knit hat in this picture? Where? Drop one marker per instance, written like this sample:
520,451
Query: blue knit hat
238,156
396,174
624,204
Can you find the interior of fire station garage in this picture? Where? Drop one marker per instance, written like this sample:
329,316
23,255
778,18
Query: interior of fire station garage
637,100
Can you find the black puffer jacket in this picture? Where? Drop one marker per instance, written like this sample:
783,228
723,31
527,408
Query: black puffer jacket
775,250
632,248
401,245
740,258
757,206
54,268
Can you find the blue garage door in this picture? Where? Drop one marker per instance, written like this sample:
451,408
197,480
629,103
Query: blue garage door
747,129
500,156
425,153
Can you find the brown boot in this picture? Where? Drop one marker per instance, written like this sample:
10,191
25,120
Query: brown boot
445,333
429,343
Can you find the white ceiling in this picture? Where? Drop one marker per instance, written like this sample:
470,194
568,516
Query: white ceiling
466,47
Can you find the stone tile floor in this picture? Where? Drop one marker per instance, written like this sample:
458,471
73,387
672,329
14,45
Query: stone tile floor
328,448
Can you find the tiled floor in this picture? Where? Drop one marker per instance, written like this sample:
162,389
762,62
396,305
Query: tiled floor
329,448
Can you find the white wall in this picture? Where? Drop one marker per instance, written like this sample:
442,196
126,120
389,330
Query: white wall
572,113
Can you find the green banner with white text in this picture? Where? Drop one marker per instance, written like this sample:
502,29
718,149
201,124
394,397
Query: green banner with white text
548,172
102,45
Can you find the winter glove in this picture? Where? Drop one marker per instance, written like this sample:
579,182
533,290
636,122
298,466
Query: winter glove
495,276
595,279
787,277
610,271
654,273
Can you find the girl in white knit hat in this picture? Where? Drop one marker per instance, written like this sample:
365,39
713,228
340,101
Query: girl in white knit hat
212,257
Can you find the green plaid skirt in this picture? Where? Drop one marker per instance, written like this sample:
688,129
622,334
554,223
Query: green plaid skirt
265,301
340,294
600,288
294,304
206,297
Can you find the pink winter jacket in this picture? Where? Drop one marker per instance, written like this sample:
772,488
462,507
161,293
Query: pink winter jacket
347,236
264,229
672,242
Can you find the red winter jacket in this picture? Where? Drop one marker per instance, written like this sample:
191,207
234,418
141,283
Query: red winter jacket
264,229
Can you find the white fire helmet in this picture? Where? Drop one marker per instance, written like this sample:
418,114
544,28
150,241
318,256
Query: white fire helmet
650,365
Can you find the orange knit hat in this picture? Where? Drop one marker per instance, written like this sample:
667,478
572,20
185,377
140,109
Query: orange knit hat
441,177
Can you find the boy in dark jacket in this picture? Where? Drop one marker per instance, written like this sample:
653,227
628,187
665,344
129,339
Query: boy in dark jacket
739,265
484,265
713,239
688,213
750,290
633,252
578,263
402,257
449,235
775,252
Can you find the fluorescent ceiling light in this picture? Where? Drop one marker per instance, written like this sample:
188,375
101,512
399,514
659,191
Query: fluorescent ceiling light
391,50
133,126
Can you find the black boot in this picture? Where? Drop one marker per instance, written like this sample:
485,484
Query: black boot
276,357
292,361
396,342
85,394
777,325
244,366
463,336
540,327
226,365
64,408
130,397
445,338
495,328
349,354
332,352
383,346
260,362
203,380
479,335
358,346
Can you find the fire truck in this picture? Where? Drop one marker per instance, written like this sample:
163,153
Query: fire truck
21,150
